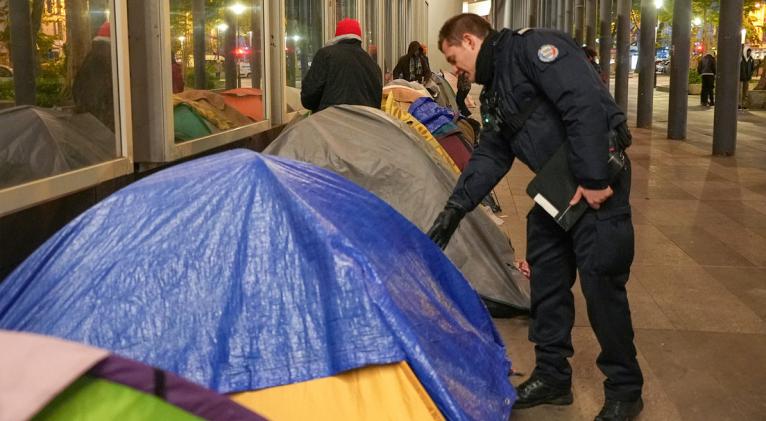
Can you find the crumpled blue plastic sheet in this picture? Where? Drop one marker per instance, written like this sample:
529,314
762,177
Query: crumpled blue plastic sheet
428,112
241,271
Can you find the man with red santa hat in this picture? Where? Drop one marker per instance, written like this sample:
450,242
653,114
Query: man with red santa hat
342,72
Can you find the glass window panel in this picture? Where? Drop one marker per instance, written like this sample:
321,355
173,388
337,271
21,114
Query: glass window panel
371,27
390,52
345,9
303,38
57,88
217,65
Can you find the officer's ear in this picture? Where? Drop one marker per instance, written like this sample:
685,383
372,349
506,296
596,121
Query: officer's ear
471,41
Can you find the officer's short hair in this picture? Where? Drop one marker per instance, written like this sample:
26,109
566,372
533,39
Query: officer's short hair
467,23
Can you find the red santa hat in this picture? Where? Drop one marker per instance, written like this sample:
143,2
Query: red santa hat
348,26
104,33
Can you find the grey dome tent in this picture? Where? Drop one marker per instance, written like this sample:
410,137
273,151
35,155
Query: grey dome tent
388,158
38,142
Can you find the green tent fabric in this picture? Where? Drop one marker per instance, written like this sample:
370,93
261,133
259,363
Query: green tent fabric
187,124
93,399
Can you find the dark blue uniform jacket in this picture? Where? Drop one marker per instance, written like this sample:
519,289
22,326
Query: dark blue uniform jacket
574,107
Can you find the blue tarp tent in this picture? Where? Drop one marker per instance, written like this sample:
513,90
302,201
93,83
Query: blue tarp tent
241,271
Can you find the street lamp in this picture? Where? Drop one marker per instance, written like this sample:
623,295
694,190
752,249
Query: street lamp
744,35
658,4
697,21
238,9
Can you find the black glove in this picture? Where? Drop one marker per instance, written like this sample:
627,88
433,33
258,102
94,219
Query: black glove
446,224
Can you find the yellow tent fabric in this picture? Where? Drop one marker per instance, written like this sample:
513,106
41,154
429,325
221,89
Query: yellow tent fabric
394,111
373,393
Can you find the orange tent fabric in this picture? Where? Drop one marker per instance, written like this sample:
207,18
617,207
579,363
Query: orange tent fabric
248,101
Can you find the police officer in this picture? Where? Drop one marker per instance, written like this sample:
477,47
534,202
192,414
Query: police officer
541,81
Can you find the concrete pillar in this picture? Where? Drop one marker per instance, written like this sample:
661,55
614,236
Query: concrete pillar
579,22
560,17
679,70
605,40
22,52
534,7
569,17
727,78
623,54
646,69
439,11
590,23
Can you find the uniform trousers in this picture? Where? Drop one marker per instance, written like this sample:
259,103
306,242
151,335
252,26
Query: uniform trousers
601,247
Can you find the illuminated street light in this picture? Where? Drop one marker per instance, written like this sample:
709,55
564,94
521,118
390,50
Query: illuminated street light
237,8
222,27
182,38
697,21
744,35
658,4
296,38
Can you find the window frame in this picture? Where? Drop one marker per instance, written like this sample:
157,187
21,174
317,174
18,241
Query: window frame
26,195
160,102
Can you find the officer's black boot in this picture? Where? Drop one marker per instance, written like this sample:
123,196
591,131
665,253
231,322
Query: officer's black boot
620,411
537,391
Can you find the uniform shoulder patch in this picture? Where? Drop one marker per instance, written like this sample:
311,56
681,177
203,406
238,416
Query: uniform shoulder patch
547,53
522,31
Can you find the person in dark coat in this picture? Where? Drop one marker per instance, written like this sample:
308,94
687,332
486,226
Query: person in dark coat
593,59
746,70
569,106
706,69
413,66
92,88
342,73
463,89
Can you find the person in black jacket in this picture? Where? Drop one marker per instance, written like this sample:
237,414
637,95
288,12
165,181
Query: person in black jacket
706,69
573,108
413,66
342,73
746,69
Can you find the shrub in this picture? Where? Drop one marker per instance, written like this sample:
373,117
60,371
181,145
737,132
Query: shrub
694,77
6,90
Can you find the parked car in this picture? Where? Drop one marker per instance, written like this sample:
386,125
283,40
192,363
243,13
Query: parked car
244,68
662,66
6,73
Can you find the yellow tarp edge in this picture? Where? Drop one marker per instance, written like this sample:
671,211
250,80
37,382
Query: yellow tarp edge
390,108
373,393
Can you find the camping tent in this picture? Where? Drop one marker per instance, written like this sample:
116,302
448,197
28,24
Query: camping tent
248,101
50,379
244,272
38,142
387,158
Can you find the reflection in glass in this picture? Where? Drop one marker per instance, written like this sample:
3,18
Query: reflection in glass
389,42
345,9
303,38
371,27
57,108
217,65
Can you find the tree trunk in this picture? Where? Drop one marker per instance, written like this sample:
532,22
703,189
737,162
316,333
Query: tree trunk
256,44
78,38
198,23
22,52
762,83
37,21
230,66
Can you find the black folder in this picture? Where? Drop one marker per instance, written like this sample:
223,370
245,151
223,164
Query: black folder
554,186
